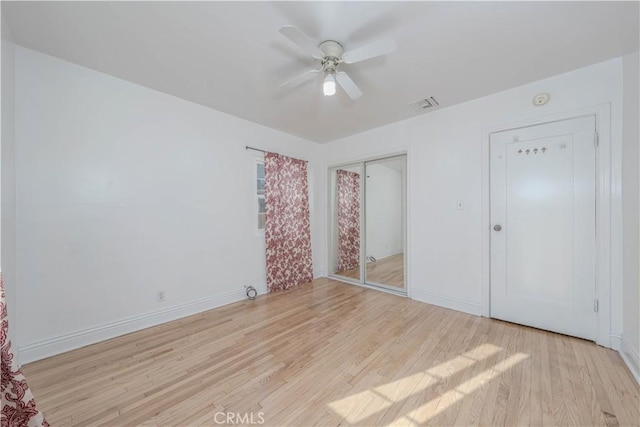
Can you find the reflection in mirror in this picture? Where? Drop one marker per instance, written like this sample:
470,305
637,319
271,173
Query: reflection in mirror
384,219
346,221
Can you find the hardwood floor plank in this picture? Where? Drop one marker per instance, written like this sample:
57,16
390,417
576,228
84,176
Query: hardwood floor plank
587,382
471,410
610,375
535,394
329,353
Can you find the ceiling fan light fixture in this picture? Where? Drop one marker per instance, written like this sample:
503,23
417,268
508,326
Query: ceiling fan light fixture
329,85
331,54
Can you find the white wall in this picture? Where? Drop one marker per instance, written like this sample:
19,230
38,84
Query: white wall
7,179
445,245
631,214
383,211
123,191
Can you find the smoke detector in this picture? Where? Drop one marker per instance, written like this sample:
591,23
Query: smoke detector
540,99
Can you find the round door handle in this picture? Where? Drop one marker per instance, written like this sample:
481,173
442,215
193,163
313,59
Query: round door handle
497,227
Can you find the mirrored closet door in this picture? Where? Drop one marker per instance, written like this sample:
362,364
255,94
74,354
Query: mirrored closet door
384,221
346,219
367,216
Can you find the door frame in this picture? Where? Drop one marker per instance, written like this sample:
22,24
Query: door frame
402,151
604,183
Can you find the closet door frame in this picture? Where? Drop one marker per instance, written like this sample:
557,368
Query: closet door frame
331,193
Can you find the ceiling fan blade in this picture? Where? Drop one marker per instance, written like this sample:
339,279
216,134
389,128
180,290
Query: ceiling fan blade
300,79
348,85
377,48
296,36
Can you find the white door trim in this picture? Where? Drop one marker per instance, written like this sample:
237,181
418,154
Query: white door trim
603,210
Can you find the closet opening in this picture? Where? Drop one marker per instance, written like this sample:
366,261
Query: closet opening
367,217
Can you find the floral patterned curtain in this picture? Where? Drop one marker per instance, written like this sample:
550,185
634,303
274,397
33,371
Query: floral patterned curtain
18,405
348,184
287,227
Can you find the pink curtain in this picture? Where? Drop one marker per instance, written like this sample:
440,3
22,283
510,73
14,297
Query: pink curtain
287,227
348,185
18,405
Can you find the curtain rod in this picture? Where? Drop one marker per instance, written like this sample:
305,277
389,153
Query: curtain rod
246,147
254,149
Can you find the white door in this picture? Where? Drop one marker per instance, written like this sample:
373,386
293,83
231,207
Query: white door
543,226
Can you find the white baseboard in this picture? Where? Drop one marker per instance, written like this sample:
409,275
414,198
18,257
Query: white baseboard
616,340
458,304
63,343
262,289
631,357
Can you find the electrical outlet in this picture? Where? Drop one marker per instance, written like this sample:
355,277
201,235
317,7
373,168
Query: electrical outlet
160,296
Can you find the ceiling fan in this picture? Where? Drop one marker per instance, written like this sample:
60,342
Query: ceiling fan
331,54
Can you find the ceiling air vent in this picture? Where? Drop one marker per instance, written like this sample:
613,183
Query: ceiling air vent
423,104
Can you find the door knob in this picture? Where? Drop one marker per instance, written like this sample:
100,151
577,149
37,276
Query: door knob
497,227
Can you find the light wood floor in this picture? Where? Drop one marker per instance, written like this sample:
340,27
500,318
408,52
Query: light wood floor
388,271
328,353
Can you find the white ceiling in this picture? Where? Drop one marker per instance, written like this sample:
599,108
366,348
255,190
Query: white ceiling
229,55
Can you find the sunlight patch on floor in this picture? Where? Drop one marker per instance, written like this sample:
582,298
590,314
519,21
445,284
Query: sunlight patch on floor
436,406
360,406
